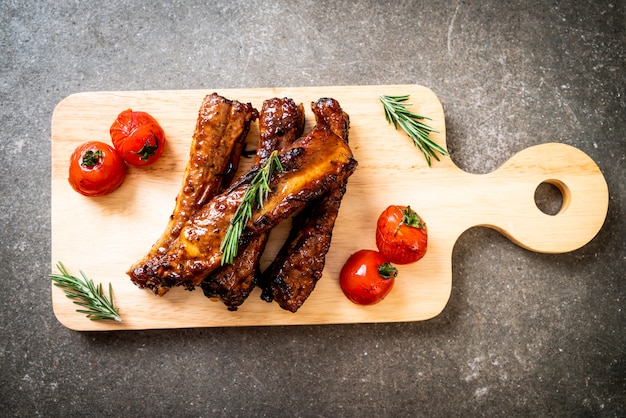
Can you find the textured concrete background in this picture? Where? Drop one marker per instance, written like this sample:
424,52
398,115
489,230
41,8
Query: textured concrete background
524,334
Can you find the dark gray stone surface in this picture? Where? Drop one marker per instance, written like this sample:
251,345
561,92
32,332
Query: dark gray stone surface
523,334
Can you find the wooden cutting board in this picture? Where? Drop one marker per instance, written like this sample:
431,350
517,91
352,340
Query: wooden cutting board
103,236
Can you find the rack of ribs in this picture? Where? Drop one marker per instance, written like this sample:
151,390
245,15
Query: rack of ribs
292,276
312,166
218,141
281,122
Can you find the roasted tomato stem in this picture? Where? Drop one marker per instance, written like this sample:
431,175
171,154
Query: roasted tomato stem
91,158
148,150
410,218
387,271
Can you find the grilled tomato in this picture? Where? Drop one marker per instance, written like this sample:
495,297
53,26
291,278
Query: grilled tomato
367,277
401,235
138,137
96,169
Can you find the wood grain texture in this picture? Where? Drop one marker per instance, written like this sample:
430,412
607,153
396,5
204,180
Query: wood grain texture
103,236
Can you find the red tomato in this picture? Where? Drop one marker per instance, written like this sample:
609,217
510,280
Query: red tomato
138,137
96,169
401,235
367,277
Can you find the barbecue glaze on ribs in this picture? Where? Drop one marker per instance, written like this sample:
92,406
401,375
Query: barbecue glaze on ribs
316,168
218,140
292,276
313,165
281,122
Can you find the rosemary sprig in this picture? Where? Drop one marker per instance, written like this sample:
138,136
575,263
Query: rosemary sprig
256,194
396,112
86,294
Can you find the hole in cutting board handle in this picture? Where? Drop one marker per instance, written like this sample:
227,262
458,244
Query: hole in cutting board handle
552,197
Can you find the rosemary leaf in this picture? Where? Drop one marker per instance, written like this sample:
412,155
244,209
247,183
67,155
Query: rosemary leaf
412,124
87,295
254,197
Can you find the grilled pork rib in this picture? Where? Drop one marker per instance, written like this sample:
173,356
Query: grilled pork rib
298,266
312,165
292,276
281,122
218,140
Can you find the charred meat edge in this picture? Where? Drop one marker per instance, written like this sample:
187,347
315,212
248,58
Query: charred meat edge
218,140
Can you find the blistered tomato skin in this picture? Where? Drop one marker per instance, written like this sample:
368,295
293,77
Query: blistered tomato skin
137,137
96,169
401,235
367,277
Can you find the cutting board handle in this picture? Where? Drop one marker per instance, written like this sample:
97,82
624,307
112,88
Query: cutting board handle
514,212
